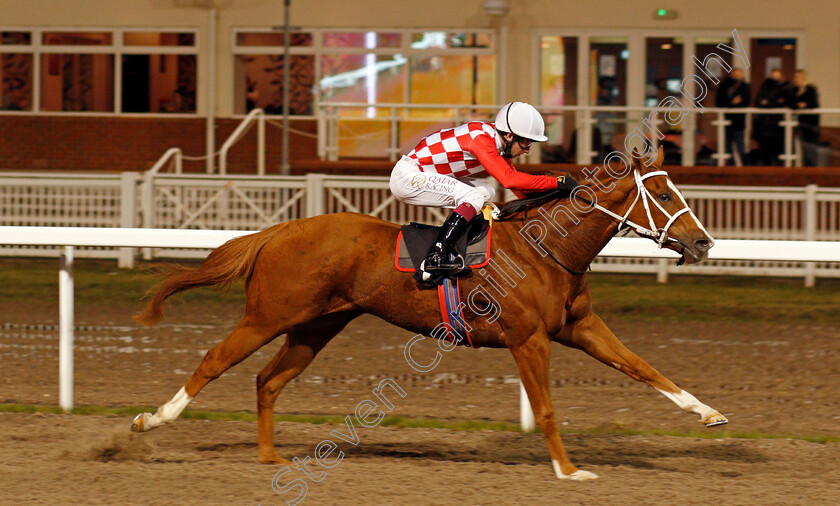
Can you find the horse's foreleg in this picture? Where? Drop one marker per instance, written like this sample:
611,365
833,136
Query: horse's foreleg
593,336
303,343
532,359
245,339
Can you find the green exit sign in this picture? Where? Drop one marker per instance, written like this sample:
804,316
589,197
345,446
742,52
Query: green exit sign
665,14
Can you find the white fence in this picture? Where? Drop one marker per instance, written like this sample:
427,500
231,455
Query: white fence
70,237
178,201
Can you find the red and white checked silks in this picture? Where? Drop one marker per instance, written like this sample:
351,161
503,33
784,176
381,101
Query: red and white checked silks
439,171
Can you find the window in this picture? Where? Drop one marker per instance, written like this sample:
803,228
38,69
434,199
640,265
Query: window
258,72
159,71
77,82
608,57
664,68
367,67
79,71
558,87
606,79
387,66
15,71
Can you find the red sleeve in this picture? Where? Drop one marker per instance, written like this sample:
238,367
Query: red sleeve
484,149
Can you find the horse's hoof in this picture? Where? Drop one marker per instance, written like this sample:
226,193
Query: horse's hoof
141,423
715,419
273,458
579,475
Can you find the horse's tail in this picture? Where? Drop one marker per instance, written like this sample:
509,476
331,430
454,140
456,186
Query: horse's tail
232,260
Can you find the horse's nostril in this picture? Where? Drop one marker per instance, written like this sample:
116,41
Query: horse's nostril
703,244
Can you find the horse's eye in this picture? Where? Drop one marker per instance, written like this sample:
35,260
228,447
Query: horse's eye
665,197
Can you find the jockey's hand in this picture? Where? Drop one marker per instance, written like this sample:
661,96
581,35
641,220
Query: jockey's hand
566,182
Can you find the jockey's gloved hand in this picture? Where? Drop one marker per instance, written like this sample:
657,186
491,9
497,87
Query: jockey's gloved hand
566,182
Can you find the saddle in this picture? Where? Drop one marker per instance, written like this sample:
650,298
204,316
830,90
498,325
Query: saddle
415,239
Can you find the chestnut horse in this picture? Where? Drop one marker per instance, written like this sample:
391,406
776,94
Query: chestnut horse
308,278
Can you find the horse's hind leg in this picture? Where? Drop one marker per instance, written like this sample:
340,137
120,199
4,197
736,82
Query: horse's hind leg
245,339
303,343
593,336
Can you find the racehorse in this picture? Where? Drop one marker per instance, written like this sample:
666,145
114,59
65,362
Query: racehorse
308,278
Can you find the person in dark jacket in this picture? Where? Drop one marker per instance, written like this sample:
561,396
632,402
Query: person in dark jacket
734,93
803,95
770,135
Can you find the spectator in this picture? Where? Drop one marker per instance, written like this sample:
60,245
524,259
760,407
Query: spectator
14,100
803,95
252,96
734,93
770,135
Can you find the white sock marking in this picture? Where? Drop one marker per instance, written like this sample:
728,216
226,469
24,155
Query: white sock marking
170,411
688,403
578,475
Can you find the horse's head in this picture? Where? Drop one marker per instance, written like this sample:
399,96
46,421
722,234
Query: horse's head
661,209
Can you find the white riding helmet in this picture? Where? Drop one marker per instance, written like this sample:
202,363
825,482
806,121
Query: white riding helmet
521,119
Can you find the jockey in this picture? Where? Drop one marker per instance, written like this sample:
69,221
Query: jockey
440,170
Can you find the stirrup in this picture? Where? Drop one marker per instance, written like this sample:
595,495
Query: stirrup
442,265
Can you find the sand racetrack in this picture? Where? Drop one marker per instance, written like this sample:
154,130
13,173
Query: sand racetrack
769,378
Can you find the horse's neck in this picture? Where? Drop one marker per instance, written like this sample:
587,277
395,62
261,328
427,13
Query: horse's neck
585,239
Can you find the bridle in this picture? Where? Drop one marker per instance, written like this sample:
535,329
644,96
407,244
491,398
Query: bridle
658,235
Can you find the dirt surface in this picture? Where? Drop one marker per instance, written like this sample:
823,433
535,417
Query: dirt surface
770,378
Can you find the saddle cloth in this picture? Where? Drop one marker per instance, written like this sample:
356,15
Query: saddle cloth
415,240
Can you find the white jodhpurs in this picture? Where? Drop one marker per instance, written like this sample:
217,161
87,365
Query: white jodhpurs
412,186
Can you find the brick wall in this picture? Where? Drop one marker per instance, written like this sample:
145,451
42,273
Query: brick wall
115,144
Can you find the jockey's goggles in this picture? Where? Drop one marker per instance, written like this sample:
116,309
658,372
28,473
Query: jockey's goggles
523,142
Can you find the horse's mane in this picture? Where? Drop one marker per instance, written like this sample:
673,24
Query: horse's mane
514,207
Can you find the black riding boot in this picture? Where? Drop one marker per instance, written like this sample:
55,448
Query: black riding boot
442,257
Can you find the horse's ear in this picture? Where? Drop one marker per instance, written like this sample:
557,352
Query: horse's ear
660,157
636,157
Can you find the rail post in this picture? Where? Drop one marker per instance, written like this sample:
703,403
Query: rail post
128,214
261,144
147,207
321,121
332,134
394,138
810,230
315,195
689,136
65,329
789,122
721,122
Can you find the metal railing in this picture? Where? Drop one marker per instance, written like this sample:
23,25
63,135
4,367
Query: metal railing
176,156
255,115
330,116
